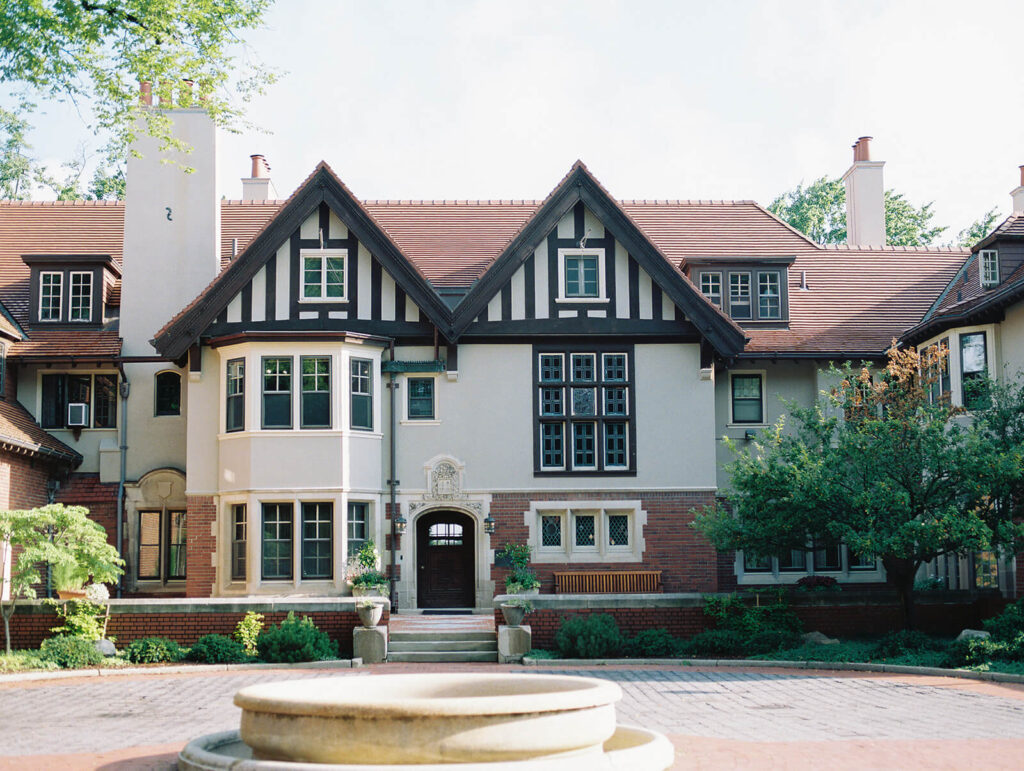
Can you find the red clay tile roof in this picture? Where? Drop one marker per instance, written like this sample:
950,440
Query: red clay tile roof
91,344
858,298
19,430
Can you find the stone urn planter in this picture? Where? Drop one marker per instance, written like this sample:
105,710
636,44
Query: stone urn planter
513,614
369,613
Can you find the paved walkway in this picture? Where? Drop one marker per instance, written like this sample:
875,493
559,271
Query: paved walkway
716,718
423,622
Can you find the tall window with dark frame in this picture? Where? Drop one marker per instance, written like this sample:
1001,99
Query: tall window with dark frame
235,395
973,369
80,306
162,545
277,392
940,384
316,392
747,399
239,541
421,398
317,540
583,414
362,394
357,523
278,537
168,393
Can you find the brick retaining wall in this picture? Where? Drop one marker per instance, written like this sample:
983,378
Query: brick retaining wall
683,616
186,622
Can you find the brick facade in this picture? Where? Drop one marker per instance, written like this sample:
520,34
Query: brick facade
23,481
100,498
200,573
689,563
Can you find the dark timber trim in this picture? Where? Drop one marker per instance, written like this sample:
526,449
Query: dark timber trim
579,186
323,187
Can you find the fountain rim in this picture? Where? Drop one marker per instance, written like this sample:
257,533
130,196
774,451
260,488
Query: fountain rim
362,703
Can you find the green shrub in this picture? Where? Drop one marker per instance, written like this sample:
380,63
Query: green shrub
217,649
295,640
591,636
153,650
903,643
732,612
540,653
70,652
81,618
248,630
930,584
652,643
1008,624
973,652
712,643
769,640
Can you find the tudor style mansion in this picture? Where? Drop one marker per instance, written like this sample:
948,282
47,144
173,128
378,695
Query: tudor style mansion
243,392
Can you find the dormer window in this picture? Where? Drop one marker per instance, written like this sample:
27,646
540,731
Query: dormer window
323,275
51,295
989,267
746,292
80,308
581,275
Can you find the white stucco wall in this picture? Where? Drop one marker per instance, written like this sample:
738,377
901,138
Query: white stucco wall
1011,342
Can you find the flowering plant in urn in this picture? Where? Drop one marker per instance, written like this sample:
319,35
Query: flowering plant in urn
364,572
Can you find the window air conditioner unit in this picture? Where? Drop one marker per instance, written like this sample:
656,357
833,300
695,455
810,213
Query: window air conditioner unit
78,415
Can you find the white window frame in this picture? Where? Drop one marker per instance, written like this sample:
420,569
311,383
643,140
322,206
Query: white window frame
777,276
406,419
602,551
712,274
88,296
60,296
988,263
602,294
750,295
764,401
322,255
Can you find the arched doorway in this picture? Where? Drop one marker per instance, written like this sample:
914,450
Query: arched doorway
444,560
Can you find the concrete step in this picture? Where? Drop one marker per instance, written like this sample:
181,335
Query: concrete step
442,645
440,636
443,656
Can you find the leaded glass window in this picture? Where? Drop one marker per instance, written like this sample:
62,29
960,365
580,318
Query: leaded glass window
551,530
618,530
421,398
584,401
585,530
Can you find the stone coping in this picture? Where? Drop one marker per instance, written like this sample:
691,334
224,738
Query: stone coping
173,669
696,599
221,605
834,666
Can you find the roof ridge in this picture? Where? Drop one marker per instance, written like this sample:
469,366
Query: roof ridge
686,202
450,202
253,201
895,248
80,202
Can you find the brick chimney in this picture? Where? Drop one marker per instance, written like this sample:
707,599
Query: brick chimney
1018,195
865,198
258,187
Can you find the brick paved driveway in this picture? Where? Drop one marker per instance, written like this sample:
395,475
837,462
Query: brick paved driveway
716,718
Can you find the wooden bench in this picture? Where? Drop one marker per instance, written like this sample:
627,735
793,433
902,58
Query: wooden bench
608,582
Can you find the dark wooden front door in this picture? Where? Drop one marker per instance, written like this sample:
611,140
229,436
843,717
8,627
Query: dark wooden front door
444,557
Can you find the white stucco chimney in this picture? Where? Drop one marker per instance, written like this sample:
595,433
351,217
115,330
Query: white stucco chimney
171,221
258,187
865,198
1018,195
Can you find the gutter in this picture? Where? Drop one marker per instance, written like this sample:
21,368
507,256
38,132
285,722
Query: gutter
124,389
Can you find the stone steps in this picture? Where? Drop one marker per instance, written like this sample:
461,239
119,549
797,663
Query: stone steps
443,646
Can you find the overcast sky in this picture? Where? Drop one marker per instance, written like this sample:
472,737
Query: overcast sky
487,99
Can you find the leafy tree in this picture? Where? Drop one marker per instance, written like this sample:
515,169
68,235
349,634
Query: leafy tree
819,212
16,166
980,228
97,51
108,181
878,466
54,535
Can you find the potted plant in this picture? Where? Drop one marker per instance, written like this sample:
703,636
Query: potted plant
369,612
515,609
68,580
365,574
521,579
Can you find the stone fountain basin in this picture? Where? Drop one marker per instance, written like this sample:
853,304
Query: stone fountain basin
428,718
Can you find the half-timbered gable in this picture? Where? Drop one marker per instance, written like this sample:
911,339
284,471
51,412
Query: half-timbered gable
581,266
321,264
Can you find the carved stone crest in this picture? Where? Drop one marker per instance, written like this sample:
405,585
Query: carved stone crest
444,481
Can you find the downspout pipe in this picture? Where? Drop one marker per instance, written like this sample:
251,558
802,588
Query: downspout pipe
392,484
124,389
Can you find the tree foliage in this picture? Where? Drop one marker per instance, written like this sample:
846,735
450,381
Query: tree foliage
875,464
54,535
819,212
978,229
95,52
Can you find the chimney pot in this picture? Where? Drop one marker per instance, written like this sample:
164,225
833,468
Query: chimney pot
260,167
258,186
1022,176
146,93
